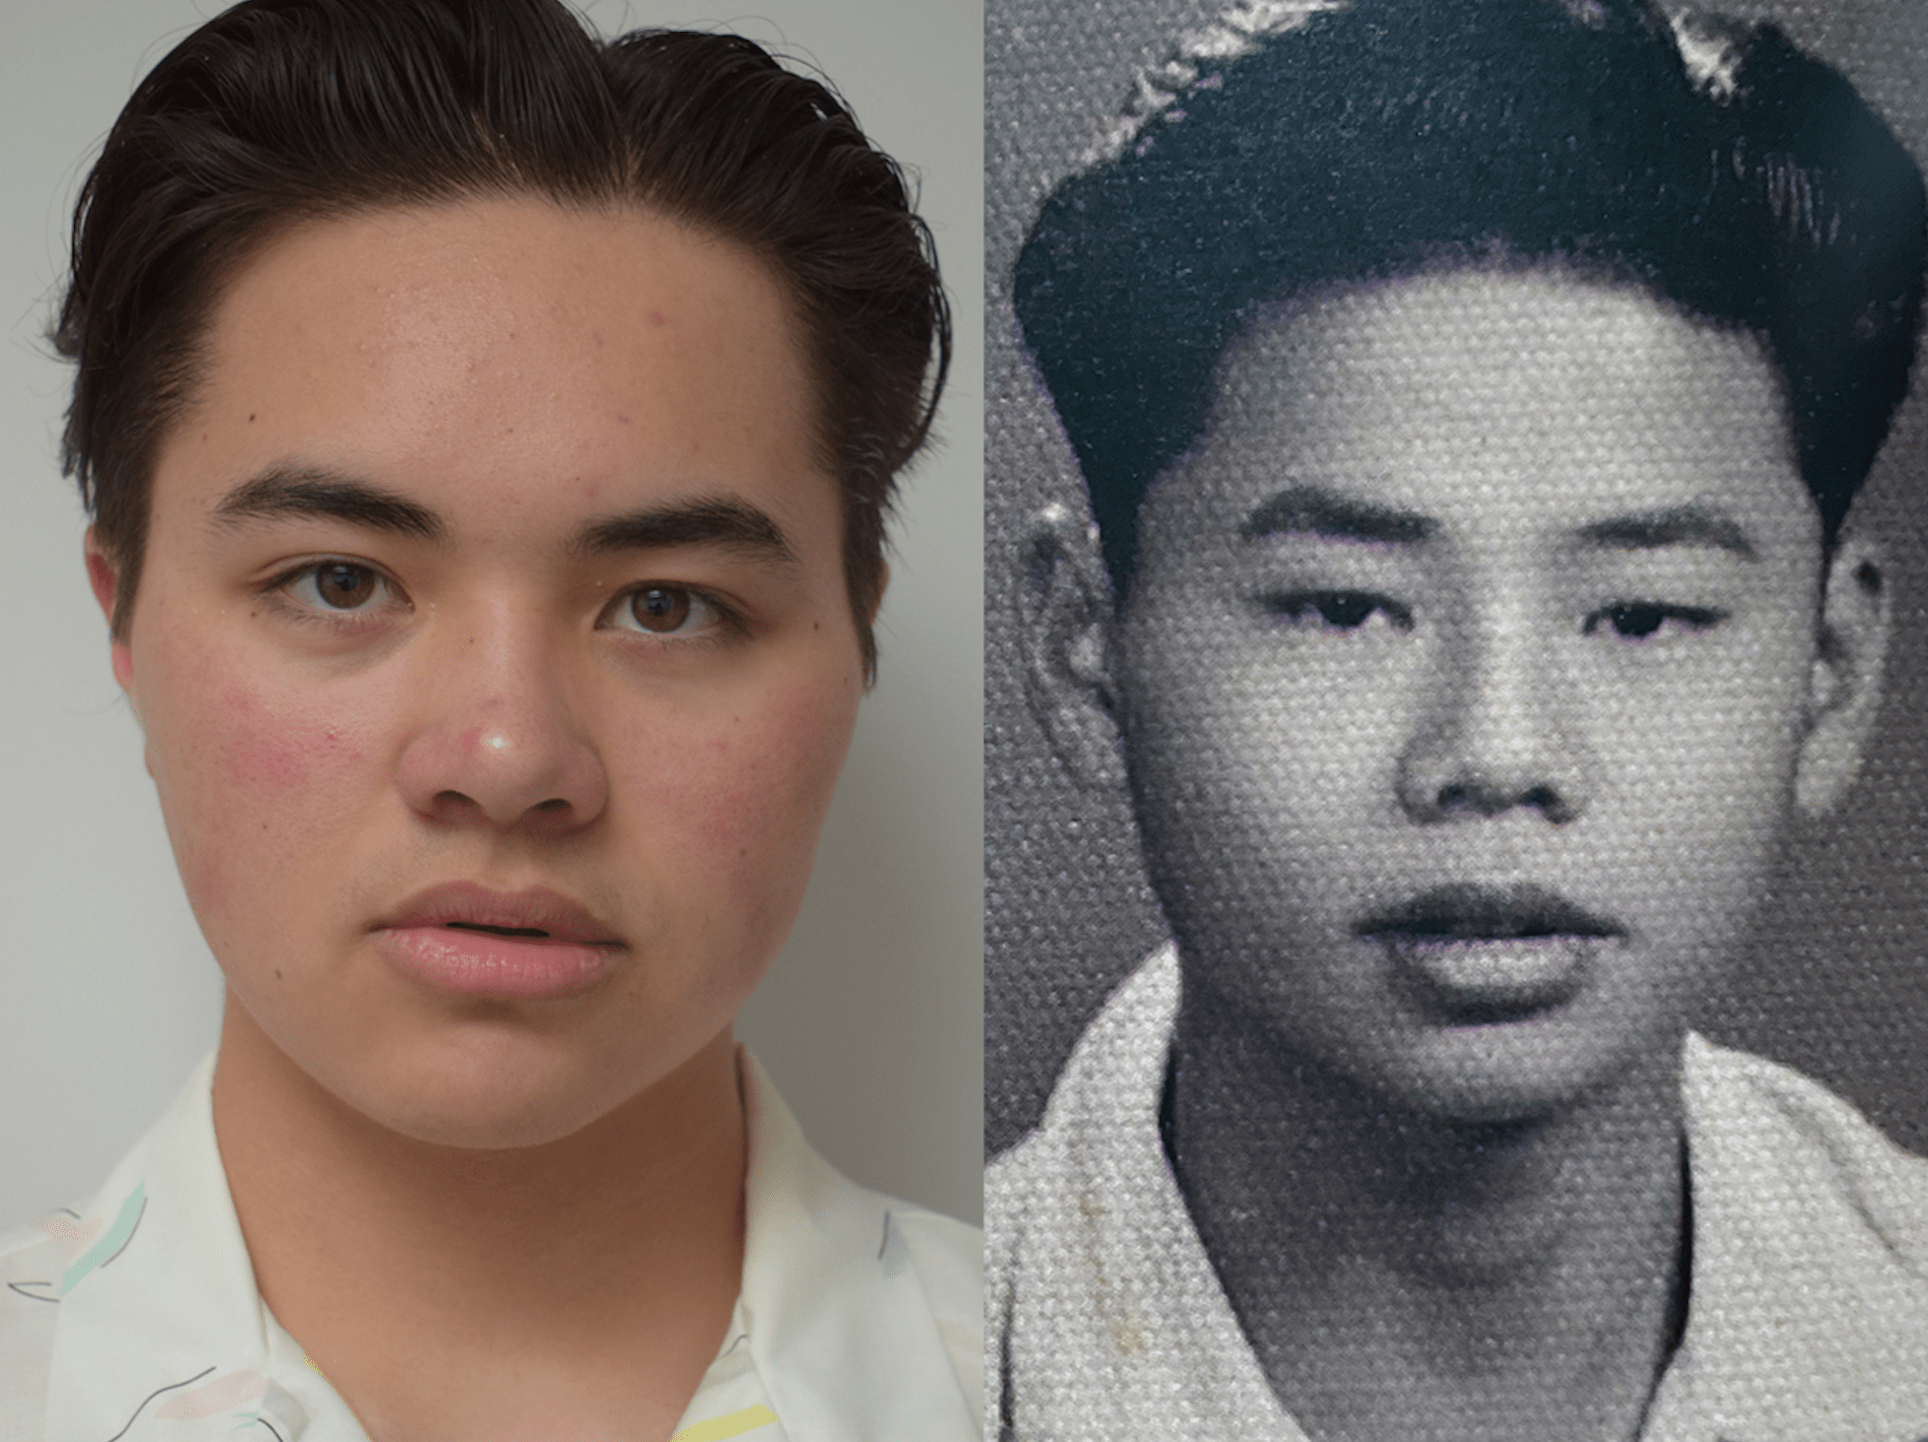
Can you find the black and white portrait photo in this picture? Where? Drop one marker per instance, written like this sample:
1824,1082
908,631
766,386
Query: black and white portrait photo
1455,656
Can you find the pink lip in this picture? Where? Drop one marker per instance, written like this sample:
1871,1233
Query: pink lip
429,939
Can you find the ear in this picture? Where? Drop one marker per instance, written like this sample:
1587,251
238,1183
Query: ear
1844,687
104,576
1065,628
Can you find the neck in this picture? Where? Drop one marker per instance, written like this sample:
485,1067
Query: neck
385,1256
1506,1274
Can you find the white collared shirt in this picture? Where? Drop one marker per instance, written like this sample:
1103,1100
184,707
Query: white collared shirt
1808,1300
136,1317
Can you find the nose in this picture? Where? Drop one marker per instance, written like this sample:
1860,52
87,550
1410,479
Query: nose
497,740
1497,732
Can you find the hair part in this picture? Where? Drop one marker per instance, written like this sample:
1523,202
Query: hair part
284,112
1718,169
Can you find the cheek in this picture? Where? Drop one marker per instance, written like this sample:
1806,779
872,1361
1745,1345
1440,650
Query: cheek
736,809
253,778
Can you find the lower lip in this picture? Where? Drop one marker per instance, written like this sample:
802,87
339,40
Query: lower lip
479,963
1499,979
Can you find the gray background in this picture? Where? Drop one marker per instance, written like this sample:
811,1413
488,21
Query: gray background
1838,989
871,1021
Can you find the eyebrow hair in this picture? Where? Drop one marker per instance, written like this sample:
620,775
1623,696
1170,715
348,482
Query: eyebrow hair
318,491
1674,526
1330,516
730,525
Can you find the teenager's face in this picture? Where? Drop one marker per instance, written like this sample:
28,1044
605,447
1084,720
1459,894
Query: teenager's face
493,655
1464,678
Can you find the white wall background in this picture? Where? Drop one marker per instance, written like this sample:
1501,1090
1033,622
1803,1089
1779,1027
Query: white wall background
871,1022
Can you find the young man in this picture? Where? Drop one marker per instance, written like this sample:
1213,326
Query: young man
488,431
1470,396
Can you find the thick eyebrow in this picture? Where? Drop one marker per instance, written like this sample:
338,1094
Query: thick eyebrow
335,495
1330,516
1675,526
728,525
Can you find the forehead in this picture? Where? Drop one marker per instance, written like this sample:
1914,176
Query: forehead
507,345
1520,401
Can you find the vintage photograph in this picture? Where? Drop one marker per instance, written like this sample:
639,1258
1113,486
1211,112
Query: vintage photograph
1455,652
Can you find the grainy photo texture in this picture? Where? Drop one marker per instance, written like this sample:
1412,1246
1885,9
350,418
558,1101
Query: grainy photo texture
1456,652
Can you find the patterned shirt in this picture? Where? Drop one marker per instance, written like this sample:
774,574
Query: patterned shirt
1807,1311
136,1316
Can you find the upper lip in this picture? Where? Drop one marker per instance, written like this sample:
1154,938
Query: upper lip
534,909
1472,912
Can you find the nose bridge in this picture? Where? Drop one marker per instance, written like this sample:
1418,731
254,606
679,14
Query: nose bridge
498,735
1498,732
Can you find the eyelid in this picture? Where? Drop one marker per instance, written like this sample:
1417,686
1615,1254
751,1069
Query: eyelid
727,618
1291,603
276,589
1692,619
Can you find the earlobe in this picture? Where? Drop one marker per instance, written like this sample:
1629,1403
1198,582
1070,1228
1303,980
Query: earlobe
1066,629
1844,687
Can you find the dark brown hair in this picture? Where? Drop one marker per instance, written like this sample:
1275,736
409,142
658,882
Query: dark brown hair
279,112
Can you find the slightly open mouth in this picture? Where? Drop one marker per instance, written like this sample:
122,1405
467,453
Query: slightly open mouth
531,932
1463,913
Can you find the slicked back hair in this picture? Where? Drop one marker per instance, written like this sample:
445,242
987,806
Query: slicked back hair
1752,190
280,112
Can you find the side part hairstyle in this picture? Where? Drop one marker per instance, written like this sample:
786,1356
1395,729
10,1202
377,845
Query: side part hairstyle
1718,168
281,112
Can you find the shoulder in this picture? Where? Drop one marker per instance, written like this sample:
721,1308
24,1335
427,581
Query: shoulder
31,1262
1808,1152
1106,1100
866,1312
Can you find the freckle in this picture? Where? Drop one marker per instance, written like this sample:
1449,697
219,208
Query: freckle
277,973
251,418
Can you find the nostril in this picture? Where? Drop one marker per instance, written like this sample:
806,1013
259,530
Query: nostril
552,805
1548,802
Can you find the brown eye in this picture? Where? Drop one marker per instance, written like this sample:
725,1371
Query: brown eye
338,587
666,611
345,587
660,608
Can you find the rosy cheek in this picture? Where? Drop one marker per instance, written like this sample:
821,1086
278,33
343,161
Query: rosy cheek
259,748
749,796
242,781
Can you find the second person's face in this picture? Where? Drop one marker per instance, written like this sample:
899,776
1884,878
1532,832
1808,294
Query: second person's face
1463,678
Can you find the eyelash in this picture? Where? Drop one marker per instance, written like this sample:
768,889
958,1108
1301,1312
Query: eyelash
726,622
278,588
727,625
1337,610
1656,613
1347,611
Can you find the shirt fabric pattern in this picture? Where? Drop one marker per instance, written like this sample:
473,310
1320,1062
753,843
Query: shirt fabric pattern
136,1316
1808,1297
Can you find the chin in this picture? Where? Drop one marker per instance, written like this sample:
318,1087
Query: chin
487,1098
1509,1074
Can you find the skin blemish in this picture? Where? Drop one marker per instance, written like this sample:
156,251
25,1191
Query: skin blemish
599,339
656,317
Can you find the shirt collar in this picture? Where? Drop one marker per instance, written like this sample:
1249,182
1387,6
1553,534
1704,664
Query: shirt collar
160,1321
1808,1311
